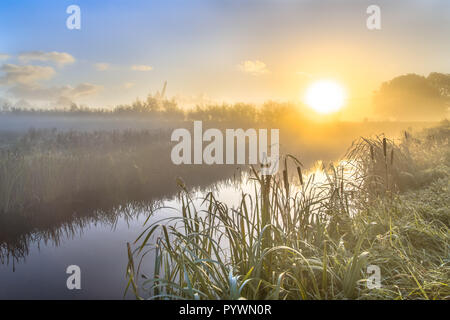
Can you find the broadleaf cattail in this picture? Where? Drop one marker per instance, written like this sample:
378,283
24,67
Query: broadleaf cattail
286,181
300,177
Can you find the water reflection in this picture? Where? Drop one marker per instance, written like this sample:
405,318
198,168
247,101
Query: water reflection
53,225
34,253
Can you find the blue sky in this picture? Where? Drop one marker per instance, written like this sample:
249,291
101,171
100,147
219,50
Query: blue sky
201,47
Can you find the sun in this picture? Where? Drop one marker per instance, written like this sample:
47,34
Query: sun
325,96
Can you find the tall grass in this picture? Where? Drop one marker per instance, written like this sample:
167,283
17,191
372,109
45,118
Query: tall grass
305,239
54,183
48,169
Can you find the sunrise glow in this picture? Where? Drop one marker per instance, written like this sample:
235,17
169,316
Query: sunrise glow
325,96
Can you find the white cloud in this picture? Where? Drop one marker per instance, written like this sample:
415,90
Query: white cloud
36,92
141,67
59,58
101,66
128,85
4,56
83,89
253,67
23,82
29,74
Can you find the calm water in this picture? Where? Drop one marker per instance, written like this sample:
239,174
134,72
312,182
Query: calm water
98,247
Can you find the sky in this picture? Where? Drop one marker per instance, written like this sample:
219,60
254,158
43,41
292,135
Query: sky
218,51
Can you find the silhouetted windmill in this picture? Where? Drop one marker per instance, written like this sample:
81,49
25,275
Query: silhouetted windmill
161,95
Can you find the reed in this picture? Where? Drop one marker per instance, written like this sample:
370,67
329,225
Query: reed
309,240
48,170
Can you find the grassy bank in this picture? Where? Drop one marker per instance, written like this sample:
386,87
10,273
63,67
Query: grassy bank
296,239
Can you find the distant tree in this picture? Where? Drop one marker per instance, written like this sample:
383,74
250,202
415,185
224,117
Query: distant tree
414,97
74,107
442,82
5,107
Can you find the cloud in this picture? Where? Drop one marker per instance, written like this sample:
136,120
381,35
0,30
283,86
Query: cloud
141,67
253,67
29,74
23,82
4,56
36,92
128,85
101,66
59,58
83,89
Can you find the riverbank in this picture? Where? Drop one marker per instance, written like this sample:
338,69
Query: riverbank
382,233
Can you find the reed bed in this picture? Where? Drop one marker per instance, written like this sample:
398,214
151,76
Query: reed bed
49,170
299,238
54,182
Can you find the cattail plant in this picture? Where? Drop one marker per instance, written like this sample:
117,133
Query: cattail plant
314,250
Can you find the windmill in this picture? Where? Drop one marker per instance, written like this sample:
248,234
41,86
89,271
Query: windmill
161,95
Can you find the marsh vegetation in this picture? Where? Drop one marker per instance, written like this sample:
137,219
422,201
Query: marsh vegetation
299,234
296,239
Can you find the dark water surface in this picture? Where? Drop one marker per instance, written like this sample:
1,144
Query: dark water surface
97,246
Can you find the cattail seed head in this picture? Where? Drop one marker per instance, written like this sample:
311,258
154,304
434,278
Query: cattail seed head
286,181
300,177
